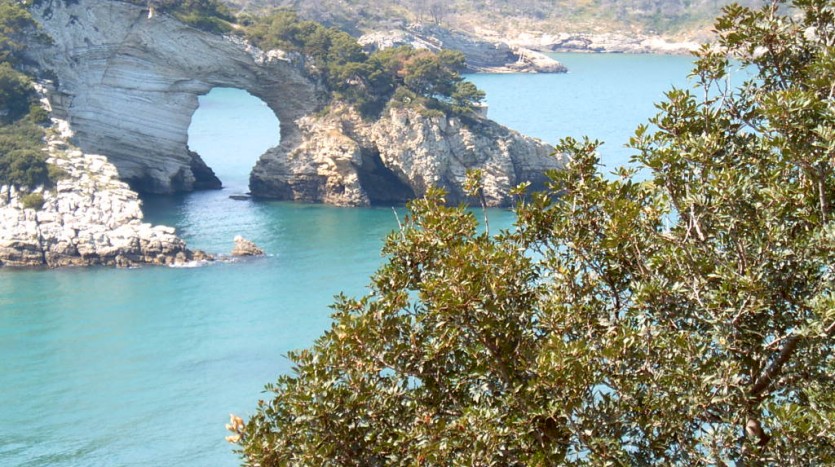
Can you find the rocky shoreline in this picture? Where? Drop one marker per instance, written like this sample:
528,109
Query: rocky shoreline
482,56
89,218
490,52
602,43
344,160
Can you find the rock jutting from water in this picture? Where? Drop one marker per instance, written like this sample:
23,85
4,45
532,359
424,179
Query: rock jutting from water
244,247
344,160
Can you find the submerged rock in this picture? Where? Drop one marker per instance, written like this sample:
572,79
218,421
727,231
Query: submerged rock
244,247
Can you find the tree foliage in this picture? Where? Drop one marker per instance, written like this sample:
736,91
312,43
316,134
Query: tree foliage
15,20
16,94
22,159
686,318
22,162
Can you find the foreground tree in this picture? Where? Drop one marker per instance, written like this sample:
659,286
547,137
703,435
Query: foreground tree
684,319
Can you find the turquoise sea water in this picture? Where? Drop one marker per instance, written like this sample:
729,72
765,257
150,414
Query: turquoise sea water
142,367
603,97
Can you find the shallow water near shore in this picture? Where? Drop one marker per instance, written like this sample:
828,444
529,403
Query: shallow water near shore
142,367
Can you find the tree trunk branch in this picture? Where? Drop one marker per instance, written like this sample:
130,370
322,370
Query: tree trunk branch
773,370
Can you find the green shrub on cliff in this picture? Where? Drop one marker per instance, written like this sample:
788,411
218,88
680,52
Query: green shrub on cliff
15,20
15,94
688,319
21,160
33,201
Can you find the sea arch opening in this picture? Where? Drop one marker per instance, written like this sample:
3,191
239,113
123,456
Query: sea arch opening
230,130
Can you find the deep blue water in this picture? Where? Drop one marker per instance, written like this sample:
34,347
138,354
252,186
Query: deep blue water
143,366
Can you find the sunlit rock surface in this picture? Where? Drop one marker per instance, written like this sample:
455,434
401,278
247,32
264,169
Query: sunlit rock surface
89,218
342,159
481,55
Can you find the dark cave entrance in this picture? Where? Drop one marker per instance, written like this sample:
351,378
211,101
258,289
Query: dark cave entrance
382,186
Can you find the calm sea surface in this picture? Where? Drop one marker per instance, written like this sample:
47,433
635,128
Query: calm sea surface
142,367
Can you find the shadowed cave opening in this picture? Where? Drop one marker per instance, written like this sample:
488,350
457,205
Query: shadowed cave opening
230,130
382,186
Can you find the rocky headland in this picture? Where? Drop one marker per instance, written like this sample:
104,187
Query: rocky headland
128,83
612,42
122,84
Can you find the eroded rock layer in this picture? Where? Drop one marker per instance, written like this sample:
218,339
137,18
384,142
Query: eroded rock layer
128,82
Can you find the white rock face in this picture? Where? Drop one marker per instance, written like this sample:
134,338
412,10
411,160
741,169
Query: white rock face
482,56
89,218
346,161
128,86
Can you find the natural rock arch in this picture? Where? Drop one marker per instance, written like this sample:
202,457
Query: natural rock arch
230,130
129,85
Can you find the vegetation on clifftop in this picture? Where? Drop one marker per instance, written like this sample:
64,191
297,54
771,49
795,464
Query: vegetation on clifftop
368,81
686,319
208,15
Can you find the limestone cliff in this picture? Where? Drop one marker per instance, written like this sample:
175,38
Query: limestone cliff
128,83
341,159
89,218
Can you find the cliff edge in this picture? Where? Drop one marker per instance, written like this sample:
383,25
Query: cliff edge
128,82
